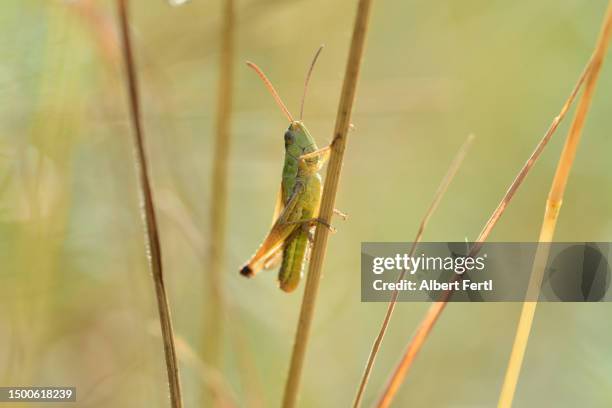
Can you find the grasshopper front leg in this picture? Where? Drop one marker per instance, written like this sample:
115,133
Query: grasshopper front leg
306,162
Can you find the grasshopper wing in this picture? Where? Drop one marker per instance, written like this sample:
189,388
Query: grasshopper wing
281,229
274,260
279,205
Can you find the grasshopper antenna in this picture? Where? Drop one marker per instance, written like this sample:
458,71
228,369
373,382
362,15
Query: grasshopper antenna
312,64
270,87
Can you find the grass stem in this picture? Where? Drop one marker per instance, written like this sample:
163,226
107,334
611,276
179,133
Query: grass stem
211,339
338,145
148,208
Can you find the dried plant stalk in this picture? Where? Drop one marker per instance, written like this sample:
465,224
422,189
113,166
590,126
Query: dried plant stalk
551,214
211,340
436,309
448,177
148,209
330,188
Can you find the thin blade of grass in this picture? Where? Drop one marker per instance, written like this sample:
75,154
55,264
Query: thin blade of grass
330,188
148,209
551,214
444,183
436,309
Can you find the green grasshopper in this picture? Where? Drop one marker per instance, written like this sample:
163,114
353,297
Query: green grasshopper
297,206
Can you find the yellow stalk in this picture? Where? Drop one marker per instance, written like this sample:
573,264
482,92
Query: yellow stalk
328,199
551,214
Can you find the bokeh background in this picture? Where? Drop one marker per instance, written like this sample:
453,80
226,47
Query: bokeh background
76,298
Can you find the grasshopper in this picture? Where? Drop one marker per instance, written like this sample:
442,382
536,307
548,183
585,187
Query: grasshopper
297,205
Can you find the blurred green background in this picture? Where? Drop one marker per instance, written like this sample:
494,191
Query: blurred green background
76,297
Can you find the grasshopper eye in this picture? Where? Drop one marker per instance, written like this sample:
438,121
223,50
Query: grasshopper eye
289,138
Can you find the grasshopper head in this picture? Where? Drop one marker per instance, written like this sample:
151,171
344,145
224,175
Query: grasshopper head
298,140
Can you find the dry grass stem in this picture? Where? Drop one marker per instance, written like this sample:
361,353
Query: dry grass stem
551,214
211,338
448,177
330,188
152,234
